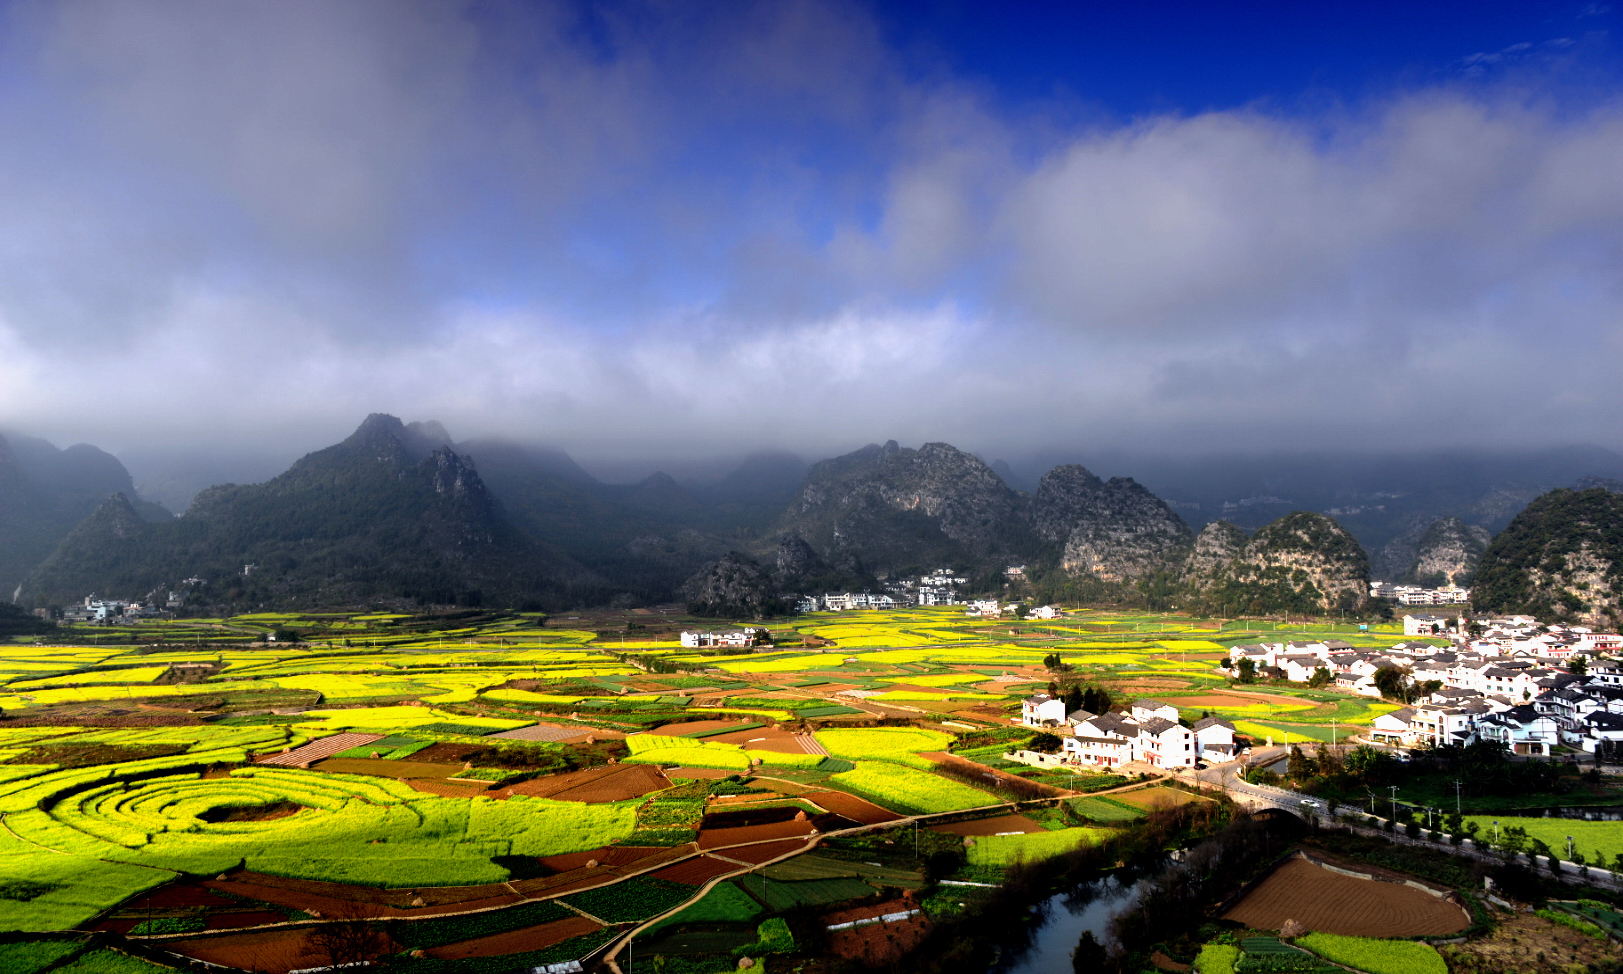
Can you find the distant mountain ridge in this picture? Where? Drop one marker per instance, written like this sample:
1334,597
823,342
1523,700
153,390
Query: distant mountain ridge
45,492
402,511
392,511
1560,559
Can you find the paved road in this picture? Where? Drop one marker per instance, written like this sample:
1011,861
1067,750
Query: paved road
1228,776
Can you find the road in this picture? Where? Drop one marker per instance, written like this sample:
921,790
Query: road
1227,776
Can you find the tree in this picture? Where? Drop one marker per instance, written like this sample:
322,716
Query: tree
1297,765
1248,670
1089,955
1073,699
1045,743
1321,677
1578,664
1393,682
348,940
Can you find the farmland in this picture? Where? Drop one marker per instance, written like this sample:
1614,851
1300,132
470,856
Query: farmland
525,766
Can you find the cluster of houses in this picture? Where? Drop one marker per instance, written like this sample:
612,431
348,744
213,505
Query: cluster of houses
726,637
108,611
992,609
1511,681
843,601
1148,732
1417,595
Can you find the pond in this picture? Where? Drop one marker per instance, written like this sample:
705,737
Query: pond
1058,922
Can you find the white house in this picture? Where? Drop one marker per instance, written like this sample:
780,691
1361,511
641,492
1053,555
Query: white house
739,637
1106,741
1045,612
1299,669
1041,710
984,607
1165,743
1424,625
1523,729
1214,739
1392,728
1148,709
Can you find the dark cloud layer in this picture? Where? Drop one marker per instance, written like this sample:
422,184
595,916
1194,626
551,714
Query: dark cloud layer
627,228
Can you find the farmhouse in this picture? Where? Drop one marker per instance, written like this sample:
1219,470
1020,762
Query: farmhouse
1041,710
1214,739
1423,625
1523,729
738,637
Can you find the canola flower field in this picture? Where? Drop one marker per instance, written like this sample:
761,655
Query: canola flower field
92,814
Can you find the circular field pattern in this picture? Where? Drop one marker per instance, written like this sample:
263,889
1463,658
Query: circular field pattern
1330,902
342,828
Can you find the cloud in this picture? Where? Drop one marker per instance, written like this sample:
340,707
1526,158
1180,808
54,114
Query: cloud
638,228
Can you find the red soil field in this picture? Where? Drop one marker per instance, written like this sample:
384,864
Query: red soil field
707,774
852,807
332,898
765,852
610,783
516,941
268,951
448,789
382,768
725,800
178,896
696,871
715,838
610,857
763,739
990,826
876,943
252,918
694,727
567,734
1329,902
318,749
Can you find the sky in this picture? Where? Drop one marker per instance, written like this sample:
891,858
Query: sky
656,229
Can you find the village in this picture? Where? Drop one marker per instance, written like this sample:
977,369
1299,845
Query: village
1533,688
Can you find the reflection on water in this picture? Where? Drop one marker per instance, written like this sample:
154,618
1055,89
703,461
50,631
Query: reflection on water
1057,923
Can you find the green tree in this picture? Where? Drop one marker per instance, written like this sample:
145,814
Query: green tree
1321,677
1578,664
1247,669
1089,956
1298,766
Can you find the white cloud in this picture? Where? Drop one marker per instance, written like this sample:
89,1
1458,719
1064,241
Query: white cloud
628,229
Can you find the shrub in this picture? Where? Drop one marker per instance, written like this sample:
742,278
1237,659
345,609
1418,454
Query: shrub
1217,959
1376,956
1568,920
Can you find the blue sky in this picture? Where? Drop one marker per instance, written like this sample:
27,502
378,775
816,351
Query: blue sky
1136,58
643,230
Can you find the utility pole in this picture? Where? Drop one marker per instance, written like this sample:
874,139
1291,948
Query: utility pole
1457,796
1394,802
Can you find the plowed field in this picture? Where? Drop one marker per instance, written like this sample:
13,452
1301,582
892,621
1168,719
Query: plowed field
1329,902
610,783
765,852
996,825
716,838
696,872
852,807
517,941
